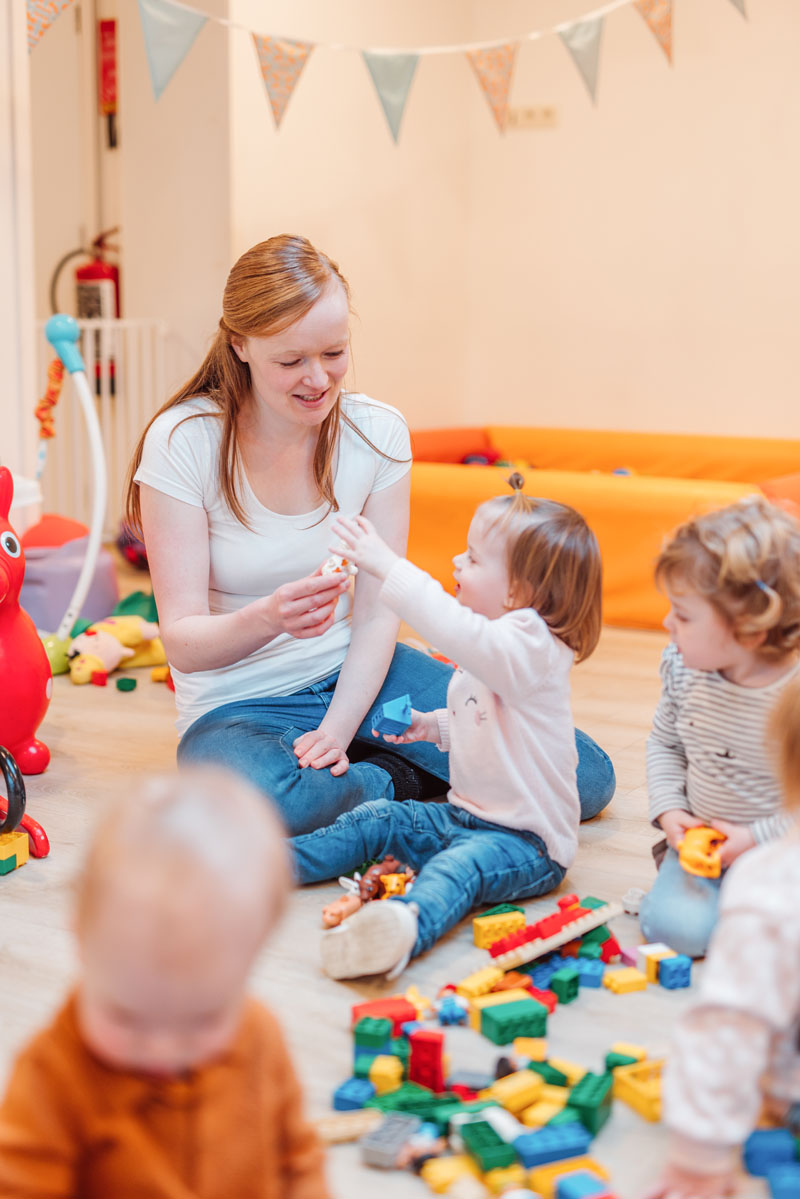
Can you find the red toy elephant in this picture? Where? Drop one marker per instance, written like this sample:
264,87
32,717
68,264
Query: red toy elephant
26,682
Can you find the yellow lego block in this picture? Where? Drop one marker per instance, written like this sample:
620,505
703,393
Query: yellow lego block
386,1073
480,982
159,674
639,1085
488,929
628,1050
13,845
516,1091
539,1114
553,1094
492,1000
625,980
534,1048
574,1073
542,1179
501,1178
441,1172
652,959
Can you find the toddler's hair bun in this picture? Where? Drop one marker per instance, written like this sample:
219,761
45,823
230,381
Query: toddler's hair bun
515,481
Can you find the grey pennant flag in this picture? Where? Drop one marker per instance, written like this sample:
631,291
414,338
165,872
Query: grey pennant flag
392,75
583,42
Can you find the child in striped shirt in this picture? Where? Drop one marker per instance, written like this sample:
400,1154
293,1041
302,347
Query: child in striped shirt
732,578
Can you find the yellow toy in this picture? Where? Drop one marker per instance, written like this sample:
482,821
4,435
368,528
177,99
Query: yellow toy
698,852
108,643
639,1085
625,980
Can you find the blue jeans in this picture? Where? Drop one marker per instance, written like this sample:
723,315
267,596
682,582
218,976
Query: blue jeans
254,737
462,862
681,908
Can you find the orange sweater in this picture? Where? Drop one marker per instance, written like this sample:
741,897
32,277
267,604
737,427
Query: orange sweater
72,1128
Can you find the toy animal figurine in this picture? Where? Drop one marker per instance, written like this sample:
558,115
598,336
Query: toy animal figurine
334,913
128,640
698,852
370,885
26,682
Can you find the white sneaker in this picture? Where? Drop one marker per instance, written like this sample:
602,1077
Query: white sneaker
377,939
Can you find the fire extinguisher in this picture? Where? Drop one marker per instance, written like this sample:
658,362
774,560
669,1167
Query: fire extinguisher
97,283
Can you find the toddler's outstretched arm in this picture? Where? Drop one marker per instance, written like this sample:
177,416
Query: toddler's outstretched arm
361,543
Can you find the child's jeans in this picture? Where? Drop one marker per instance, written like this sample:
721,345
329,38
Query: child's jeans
463,862
681,908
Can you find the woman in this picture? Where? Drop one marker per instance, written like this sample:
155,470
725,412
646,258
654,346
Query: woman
278,668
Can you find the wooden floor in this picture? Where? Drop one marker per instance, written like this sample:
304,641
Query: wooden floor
99,738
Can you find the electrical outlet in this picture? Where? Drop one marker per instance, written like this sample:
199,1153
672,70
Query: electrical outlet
535,116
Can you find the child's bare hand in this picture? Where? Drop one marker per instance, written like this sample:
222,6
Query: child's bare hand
361,543
738,839
675,823
424,727
677,1183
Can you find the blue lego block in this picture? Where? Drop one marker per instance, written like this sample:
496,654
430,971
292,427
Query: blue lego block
393,717
784,1181
768,1147
674,973
552,1144
590,972
580,1185
542,971
352,1094
411,1026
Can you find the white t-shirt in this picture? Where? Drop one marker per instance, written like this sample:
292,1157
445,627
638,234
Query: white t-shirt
180,459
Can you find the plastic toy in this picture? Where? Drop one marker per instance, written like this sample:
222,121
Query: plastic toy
334,913
624,980
336,565
766,1148
393,716
13,843
108,643
639,1085
698,852
552,932
27,682
675,972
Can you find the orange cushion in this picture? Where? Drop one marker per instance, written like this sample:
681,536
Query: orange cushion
784,491
53,530
448,445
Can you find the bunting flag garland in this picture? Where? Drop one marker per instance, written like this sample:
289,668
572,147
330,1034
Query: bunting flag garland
281,62
494,68
658,14
583,42
40,16
169,33
392,75
740,5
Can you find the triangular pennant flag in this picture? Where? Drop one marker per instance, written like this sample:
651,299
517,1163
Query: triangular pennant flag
169,33
392,75
494,69
740,5
41,14
281,62
658,14
583,42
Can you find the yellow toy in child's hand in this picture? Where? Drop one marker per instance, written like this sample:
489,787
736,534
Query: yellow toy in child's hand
698,852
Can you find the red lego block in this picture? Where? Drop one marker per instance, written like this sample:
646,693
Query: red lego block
425,1064
99,678
464,1093
570,950
394,1008
566,901
610,950
511,941
548,998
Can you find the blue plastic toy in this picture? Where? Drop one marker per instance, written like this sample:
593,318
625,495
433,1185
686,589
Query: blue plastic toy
393,717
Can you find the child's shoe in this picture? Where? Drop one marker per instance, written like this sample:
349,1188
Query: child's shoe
377,939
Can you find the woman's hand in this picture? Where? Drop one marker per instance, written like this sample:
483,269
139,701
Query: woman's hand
675,823
738,838
306,607
677,1183
319,749
362,544
424,727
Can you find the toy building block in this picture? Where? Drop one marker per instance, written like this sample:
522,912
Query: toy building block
676,972
644,951
573,1072
544,1179
530,950
517,1091
565,984
590,973
546,997
382,1146
541,1113
502,1023
99,678
160,674
479,983
628,955
550,1073
499,1180
625,979
565,1115
372,1033
637,1052
610,950
592,950
591,1099
504,1123
14,850
441,1172
532,1048
352,1094
487,1148
698,852
393,716
639,1085
613,1060
494,999
512,980
126,684
385,1073
655,961
583,1184
426,1065
394,1008
347,1126
784,1180
766,1148
496,923
552,1144
556,1095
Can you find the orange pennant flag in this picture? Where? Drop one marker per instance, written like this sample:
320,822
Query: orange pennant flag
281,62
40,16
494,68
658,14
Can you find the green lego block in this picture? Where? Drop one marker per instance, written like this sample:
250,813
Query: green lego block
502,909
593,951
399,1047
453,1107
372,1033
619,1059
410,1098
567,1115
363,1064
486,1146
565,983
596,936
591,1099
8,864
592,903
126,684
553,1077
505,1021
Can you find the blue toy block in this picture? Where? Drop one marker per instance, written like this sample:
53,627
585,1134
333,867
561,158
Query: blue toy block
411,1026
580,1185
393,717
674,973
768,1147
784,1181
542,971
590,972
352,1094
552,1144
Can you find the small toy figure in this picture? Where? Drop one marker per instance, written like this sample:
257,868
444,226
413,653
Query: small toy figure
698,852
370,885
337,565
334,913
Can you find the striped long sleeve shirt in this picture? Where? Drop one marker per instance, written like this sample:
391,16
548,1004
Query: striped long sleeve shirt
706,752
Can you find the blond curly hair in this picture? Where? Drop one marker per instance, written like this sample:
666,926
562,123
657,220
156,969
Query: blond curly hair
745,561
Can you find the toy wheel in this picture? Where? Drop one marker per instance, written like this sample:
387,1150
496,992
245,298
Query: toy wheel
15,788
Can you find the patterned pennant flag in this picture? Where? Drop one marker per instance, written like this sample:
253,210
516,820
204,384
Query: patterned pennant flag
583,42
494,68
41,14
392,75
169,34
281,62
740,5
658,14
